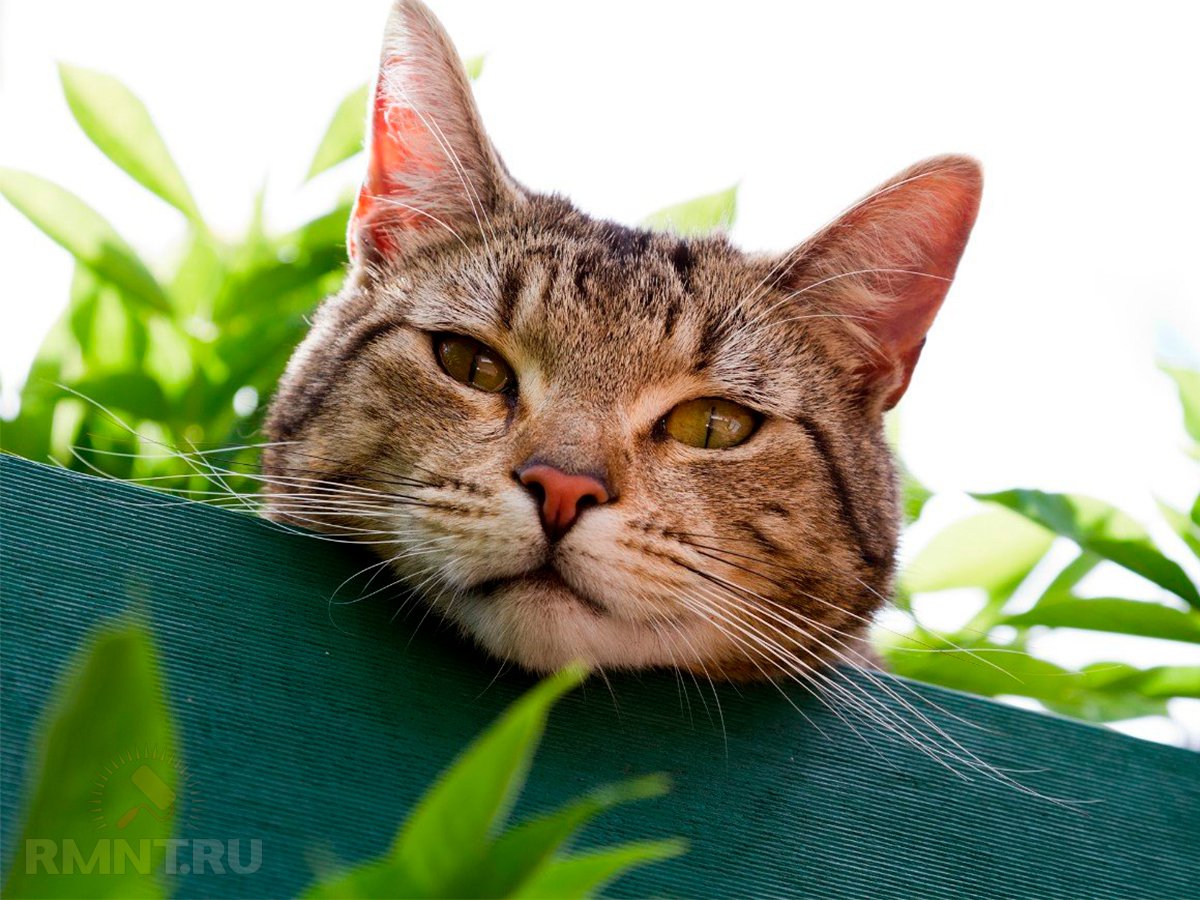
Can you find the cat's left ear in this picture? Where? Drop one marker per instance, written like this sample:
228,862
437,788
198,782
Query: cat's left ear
884,267
432,172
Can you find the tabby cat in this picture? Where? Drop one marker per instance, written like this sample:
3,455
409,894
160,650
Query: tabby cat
582,441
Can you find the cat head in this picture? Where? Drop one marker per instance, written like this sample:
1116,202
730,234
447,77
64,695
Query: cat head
581,441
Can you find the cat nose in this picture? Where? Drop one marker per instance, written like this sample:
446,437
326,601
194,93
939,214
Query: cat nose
562,496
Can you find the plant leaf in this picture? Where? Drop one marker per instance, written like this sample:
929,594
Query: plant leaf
109,709
1101,529
585,873
118,123
135,393
1162,682
453,822
344,136
519,854
85,233
1187,381
1184,525
712,212
473,66
450,830
994,550
1102,693
1113,614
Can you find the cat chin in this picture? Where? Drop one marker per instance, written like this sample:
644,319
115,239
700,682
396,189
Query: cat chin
542,625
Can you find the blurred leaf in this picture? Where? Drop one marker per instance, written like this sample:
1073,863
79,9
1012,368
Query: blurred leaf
1170,681
344,136
1100,700
1187,381
994,550
135,393
82,231
325,232
1183,525
520,853
913,495
119,124
1101,529
110,707
1102,693
712,212
474,66
199,274
585,873
1160,682
987,670
1113,614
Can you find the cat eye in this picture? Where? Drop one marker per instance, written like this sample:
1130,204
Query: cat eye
467,360
711,423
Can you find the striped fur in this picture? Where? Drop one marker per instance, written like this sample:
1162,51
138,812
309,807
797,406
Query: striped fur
756,561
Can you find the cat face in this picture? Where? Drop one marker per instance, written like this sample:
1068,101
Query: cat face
581,441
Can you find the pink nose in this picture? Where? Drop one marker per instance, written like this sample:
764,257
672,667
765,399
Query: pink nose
562,496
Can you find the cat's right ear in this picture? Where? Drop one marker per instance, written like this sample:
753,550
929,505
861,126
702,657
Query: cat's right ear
432,173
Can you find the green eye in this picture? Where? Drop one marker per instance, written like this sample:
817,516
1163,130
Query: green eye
465,359
711,423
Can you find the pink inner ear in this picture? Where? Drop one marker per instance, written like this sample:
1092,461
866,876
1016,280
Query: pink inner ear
927,222
401,148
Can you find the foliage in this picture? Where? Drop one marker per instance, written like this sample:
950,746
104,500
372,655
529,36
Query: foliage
452,845
112,706
998,551
712,212
183,354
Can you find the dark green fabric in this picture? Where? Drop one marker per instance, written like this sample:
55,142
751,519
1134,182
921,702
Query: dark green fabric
313,727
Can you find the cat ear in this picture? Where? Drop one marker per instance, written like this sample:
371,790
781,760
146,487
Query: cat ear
886,264
432,173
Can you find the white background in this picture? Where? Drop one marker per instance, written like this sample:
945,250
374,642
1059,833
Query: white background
1083,267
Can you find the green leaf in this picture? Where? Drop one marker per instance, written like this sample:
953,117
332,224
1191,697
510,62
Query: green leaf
106,759
987,669
1102,693
1115,615
85,233
1187,381
344,136
367,882
135,393
449,833
453,822
712,212
994,550
521,853
119,124
474,66
1161,682
1171,681
913,495
1101,529
585,873
1184,525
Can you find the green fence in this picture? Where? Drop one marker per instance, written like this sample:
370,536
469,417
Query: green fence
310,727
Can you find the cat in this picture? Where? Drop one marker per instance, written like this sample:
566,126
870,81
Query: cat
581,441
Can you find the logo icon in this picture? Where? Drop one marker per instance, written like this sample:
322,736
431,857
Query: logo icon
141,785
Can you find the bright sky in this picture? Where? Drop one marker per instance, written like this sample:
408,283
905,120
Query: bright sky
1040,371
